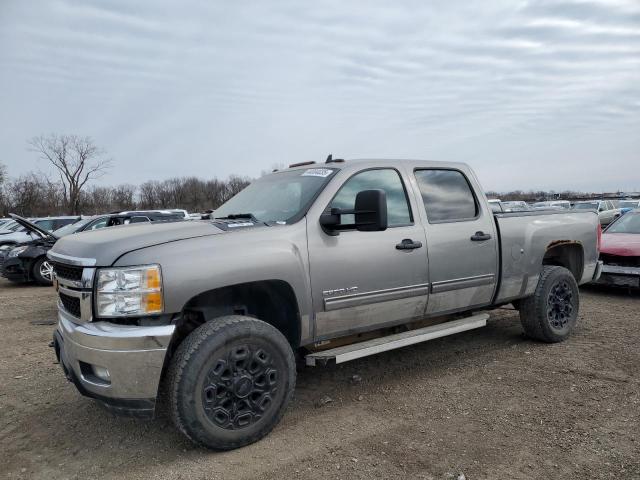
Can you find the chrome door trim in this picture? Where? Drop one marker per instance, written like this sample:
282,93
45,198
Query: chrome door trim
460,283
376,296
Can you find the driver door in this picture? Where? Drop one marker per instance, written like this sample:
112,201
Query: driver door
363,280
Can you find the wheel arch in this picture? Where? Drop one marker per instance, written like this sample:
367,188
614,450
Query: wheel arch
568,254
272,301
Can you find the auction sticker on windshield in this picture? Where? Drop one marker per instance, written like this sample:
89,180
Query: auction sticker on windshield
317,172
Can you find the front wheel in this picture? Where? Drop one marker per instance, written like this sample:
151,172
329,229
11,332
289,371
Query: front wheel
230,382
551,313
42,272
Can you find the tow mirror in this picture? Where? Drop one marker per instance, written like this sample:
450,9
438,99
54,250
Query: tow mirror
370,214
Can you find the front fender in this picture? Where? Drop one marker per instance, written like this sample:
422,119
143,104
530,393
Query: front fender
196,265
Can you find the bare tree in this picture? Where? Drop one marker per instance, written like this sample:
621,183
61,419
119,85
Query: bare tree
77,161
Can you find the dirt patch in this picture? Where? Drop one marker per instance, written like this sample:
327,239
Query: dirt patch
488,403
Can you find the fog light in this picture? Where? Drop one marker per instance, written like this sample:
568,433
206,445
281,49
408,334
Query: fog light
101,372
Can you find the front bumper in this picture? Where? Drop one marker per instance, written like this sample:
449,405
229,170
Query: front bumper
13,269
133,356
620,276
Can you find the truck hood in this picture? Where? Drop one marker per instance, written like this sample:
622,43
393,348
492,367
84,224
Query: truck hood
108,244
625,244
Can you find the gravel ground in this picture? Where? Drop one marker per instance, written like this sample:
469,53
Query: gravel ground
487,403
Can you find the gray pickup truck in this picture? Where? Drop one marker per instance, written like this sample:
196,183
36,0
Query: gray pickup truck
314,263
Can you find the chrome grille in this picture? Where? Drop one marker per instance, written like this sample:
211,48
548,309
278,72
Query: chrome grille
69,272
71,304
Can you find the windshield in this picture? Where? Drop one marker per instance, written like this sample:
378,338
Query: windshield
8,225
586,206
628,223
629,204
279,197
16,227
71,228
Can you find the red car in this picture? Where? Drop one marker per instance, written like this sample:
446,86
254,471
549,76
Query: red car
620,251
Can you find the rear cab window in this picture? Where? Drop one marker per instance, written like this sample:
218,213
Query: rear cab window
447,195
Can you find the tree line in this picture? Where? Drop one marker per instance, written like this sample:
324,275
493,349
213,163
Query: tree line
35,195
76,161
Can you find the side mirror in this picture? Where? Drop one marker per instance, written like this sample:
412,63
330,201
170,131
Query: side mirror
370,212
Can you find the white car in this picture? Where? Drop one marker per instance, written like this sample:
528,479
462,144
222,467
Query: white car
607,211
552,204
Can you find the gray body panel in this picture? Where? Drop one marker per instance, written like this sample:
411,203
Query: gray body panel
196,265
526,236
108,244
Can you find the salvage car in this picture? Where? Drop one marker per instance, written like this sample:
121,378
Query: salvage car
628,205
28,262
620,252
515,206
552,205
16,233
607,211
327,263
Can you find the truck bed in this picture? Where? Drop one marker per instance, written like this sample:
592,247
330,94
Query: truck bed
525,237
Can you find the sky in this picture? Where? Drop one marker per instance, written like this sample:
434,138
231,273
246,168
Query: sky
532,95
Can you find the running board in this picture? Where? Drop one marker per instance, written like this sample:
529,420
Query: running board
398,340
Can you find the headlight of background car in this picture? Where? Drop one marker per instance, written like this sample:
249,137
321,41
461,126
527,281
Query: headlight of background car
16,251
129,291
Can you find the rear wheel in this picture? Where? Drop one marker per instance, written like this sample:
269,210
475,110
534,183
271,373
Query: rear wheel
42,271
230,381
551,313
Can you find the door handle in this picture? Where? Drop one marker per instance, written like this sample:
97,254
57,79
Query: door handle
480,237
408,244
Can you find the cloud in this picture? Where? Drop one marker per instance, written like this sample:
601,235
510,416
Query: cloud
534,94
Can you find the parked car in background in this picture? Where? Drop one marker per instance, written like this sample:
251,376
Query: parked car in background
494,203
607,211
628,205
515,206
176,213
16,233
207,214
4,221
8,227
54,223
552,205
28,262
620,251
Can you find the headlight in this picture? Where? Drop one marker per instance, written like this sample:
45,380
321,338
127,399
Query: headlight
17,251
129,291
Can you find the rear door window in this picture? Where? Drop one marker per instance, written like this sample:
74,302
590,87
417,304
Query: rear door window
447,195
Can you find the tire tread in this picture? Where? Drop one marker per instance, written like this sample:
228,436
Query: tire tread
532,308
181,359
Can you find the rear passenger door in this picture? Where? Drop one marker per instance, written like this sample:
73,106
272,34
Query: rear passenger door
461,241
